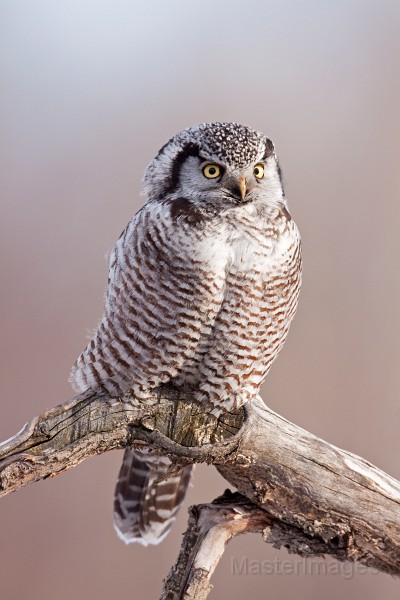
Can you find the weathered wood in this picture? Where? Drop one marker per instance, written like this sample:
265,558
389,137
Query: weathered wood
335,496
92,423
211,527
343,505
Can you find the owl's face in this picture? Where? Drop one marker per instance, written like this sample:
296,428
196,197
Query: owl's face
219,164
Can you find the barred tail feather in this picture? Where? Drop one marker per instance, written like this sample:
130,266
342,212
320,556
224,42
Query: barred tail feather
145,504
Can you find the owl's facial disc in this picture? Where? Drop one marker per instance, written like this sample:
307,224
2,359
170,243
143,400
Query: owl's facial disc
205,178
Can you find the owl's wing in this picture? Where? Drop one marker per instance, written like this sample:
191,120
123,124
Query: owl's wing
166,286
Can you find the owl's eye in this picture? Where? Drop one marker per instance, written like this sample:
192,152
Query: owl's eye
259,171
211,171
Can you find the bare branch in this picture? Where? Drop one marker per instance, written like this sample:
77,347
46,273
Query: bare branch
212,526
341,504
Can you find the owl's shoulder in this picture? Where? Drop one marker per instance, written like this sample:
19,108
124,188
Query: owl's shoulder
182,210
170,211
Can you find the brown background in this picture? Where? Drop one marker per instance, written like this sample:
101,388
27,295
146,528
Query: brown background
89,91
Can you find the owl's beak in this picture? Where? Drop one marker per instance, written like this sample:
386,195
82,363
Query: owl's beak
243,187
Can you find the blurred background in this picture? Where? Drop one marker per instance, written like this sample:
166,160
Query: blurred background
90,90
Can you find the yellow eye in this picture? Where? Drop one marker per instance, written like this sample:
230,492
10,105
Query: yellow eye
259,171
211,171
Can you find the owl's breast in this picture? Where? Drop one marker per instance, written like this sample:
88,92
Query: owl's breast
259,300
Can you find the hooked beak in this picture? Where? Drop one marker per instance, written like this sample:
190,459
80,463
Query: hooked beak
243,187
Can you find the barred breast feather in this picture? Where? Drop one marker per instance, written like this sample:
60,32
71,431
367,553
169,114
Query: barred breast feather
194,300
161,301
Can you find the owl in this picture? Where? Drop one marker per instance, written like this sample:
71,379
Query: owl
203,285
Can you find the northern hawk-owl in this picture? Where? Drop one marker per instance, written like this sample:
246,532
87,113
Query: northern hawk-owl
203,284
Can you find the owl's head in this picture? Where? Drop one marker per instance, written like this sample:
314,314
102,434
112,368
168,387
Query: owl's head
223,164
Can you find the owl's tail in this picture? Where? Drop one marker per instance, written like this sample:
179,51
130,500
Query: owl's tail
145,504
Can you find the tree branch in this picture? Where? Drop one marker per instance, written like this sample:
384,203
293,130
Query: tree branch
326,500
212,526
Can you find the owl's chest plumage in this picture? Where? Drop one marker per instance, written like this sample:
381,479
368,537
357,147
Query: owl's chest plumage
196,300
259,261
